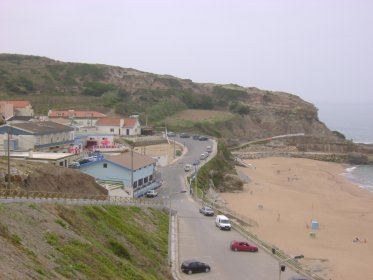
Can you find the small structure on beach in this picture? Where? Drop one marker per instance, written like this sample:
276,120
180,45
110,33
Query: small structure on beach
315,225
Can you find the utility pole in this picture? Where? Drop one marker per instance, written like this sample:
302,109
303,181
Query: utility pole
9,157
132,171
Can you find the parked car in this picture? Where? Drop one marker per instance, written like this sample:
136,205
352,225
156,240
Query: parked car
151,193
74,164
171,134
195,137
184,135
223,222
207,211
209,149
187,167
203,138
203,156
242,246
196,162
193,266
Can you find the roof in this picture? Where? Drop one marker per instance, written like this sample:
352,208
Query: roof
75,114
41,155
20,118
41,127
60,120
16,103
124,159
127,122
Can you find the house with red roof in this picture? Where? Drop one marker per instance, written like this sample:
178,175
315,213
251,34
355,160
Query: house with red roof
11,108
119,126
79,118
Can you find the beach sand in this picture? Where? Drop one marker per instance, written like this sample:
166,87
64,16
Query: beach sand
285,194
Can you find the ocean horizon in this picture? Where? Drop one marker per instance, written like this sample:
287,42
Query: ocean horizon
355,121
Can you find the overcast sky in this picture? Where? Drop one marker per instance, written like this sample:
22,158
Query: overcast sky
321,50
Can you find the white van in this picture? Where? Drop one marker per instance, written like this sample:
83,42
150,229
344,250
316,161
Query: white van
222,222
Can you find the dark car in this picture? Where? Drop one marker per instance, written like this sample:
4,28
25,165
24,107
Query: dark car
195,137
184,135
207,211
203,138
242,246
192,266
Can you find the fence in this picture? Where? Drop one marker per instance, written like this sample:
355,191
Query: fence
56,197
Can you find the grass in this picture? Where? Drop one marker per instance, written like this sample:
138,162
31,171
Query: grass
115,245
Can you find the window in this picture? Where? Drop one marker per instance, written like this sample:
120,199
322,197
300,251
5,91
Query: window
111,129
141,181
151,178
105,165
135,185
146,179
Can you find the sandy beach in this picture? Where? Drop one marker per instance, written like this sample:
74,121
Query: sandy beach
285,194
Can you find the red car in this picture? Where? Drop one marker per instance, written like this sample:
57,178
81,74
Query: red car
243,246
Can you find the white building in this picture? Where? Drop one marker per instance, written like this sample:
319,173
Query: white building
119,126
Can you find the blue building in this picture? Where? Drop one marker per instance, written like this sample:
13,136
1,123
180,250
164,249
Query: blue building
132,171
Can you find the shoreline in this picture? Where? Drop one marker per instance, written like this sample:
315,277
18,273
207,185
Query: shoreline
285,194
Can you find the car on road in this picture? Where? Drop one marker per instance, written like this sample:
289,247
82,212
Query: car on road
187,167
203,138
184,135
151,193
171,134
207,211
195,137
193,266
196,162
242,246
203,156
223,222
209,149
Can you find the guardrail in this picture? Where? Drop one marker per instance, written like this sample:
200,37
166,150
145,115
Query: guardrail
56,197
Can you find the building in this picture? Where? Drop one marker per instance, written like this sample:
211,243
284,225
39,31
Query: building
119,126
39,136
58,159
10,109
117,170
78,118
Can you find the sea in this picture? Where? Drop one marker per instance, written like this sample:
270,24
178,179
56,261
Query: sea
355,121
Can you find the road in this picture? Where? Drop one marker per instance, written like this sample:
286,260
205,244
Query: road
198,238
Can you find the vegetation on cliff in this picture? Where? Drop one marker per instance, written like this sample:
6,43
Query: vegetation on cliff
51,84
41,241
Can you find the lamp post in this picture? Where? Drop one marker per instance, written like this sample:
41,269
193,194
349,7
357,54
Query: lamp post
282,266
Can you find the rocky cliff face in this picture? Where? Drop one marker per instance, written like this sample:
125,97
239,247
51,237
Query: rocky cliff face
51,84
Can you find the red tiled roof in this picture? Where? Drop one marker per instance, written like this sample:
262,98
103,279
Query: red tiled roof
139,160
75,114
128,122
17,104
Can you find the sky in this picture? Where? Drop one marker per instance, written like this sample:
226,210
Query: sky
320,50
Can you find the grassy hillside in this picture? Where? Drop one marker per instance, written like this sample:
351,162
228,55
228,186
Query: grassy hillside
252,113
82,242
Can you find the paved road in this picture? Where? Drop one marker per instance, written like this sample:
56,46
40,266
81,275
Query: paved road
200,239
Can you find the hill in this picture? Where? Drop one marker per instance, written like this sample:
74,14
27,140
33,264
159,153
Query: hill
51,84
40,241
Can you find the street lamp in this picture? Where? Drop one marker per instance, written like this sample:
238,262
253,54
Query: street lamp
282,266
